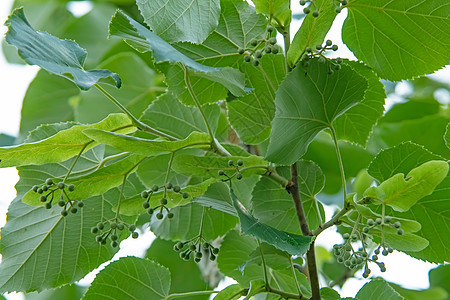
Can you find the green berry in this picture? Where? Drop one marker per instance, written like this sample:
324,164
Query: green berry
206,245
339,60
397,224
99,238
268,49
61,185
302,2
150,211
132,228
43,198
64,213
315,13
328,42
163,201
400,232
144,194
247,58
145,205
73,210
159,216
175,248
192,248
308,49
100,225
366,274
35,188
273,40
114,237
45,188
275,50
80,204
215,251
212,257
385,252
135,235
197,260
221,173
39,190
170,215
61,203
383,269
176,189
199,254
318,46
387,219
239,176
253,42
155,188
322,60
71,187
113,225
120,226
335,47
306,10
241,50
94,230
240,162
390,250
348,247
180,245
270,28
337,67
374,257
48,181
377,251
370,222
114,244
338,10
48,205
378,221
185,195
344,2
366,229
340,260
346,236
169,185
258,54
255,62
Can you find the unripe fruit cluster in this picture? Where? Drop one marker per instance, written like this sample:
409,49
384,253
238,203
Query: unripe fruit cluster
260,47
387,221
196,249
147,194
239,163
48,190
339,5
109,229
311,7
318,52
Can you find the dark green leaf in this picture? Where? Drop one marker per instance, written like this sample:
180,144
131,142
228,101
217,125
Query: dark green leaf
440,277
291,243
385,35
184,20
231,292
61,57
66,292
433,293
130,278
305,105
6,140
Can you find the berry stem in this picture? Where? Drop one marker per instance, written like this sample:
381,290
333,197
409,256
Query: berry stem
74,162
341,166
166,179
134,120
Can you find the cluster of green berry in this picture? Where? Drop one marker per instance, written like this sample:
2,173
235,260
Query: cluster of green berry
339,5
307,9
237,174
318,52
147,194
196,249
260,47
110,229
387,221
48,190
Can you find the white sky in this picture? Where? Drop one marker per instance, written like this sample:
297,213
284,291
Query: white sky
14,80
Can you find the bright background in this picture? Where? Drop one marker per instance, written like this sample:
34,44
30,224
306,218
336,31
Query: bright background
14,80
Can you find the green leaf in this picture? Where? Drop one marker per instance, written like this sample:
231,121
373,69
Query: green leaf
256,287
130,278
133,205
272,205
447,136
95,183
355,125
433,293
399,159
402,192
312,31
234,252
251,115
61,146
172,117
378,289
385,35
186,223
147,147
208,166
162,252
327,293
231,292
60,57
291,243
66,292
35,239
278,10
217,197
144,40
185,20
46,101
137,91
6,140
410,110
305,105
427,131
440,276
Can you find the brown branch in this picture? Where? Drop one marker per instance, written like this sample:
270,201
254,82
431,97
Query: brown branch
292,188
